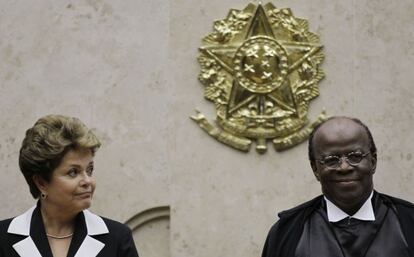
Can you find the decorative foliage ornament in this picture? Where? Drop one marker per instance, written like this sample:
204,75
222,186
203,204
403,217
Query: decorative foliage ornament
260,67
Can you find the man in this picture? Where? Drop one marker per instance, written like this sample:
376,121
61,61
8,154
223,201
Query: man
350,219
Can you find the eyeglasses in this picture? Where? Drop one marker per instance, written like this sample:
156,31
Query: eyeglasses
334,161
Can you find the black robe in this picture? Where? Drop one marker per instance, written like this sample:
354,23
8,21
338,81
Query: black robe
284,236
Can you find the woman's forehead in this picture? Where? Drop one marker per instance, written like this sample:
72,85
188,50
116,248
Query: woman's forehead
77,156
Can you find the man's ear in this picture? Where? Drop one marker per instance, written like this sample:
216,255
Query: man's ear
40,183
373,162
315,170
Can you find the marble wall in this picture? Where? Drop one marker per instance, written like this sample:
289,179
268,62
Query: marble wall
128,69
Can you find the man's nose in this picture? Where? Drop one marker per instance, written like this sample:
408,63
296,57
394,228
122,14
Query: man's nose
344,165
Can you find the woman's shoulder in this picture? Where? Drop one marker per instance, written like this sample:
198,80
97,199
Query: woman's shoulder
4,235
4,225
120,235
111,225
6,221
115,226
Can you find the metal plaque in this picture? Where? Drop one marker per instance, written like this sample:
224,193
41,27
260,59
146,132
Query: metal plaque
260,67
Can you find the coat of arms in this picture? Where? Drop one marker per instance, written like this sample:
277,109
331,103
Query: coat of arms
260,67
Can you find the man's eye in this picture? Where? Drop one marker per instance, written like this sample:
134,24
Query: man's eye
331,160
354,157
72,173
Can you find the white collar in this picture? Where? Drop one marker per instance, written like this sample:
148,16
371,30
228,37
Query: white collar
366,212
21,224
94,224
90,246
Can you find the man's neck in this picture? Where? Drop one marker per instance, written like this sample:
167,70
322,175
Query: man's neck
336,213
351,207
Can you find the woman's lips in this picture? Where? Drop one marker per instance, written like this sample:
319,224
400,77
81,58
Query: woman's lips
85,195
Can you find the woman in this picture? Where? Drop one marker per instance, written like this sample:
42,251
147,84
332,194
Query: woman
56,159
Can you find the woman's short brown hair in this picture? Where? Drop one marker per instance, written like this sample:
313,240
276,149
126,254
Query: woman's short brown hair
47,142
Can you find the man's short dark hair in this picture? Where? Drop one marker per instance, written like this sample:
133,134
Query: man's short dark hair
372,147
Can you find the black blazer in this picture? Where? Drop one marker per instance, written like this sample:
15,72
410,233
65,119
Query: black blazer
94,236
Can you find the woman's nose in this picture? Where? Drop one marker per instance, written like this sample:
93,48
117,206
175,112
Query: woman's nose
86,179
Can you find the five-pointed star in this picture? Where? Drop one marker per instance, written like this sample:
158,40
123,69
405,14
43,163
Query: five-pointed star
297,52
223,54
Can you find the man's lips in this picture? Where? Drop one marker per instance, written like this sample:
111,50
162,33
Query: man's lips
350,180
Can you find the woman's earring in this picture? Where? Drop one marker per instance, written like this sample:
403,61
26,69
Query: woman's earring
43,195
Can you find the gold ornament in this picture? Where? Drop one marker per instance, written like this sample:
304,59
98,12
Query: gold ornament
260,67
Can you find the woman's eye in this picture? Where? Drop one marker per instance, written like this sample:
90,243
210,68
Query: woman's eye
89,171
72,173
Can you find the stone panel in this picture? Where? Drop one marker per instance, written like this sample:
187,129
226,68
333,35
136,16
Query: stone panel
129,70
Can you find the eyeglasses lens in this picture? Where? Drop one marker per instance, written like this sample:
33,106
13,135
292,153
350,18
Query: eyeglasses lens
354,158
335,161
332,161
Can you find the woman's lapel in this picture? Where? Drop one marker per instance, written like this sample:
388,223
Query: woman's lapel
83,244
35,243
28,224
38,233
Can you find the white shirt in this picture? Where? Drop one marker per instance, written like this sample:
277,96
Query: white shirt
366,212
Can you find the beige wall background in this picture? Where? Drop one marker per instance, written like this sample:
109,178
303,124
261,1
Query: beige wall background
128,69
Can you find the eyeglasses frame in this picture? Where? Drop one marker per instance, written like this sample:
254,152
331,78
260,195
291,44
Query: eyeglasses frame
340,157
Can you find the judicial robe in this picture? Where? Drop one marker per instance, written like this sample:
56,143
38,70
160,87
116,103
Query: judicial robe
284,236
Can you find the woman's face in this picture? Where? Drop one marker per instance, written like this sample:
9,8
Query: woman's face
72,185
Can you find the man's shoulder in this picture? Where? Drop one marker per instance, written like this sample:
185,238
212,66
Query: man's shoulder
285,233
308,206
397,202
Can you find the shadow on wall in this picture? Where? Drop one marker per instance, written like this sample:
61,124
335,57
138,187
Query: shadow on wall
151,231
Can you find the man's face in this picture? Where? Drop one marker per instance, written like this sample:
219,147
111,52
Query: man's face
345,185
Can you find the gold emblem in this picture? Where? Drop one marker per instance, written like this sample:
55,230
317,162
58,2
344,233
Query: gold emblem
261,67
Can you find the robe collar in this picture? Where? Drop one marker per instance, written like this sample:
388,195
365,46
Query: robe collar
366,212
90,223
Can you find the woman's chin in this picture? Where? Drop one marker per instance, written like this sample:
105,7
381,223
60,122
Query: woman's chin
85,204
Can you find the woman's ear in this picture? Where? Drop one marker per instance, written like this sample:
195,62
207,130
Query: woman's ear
40,183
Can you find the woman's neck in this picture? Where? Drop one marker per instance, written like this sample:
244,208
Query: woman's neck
56,222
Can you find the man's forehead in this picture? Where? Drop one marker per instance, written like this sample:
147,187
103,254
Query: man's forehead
341,128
